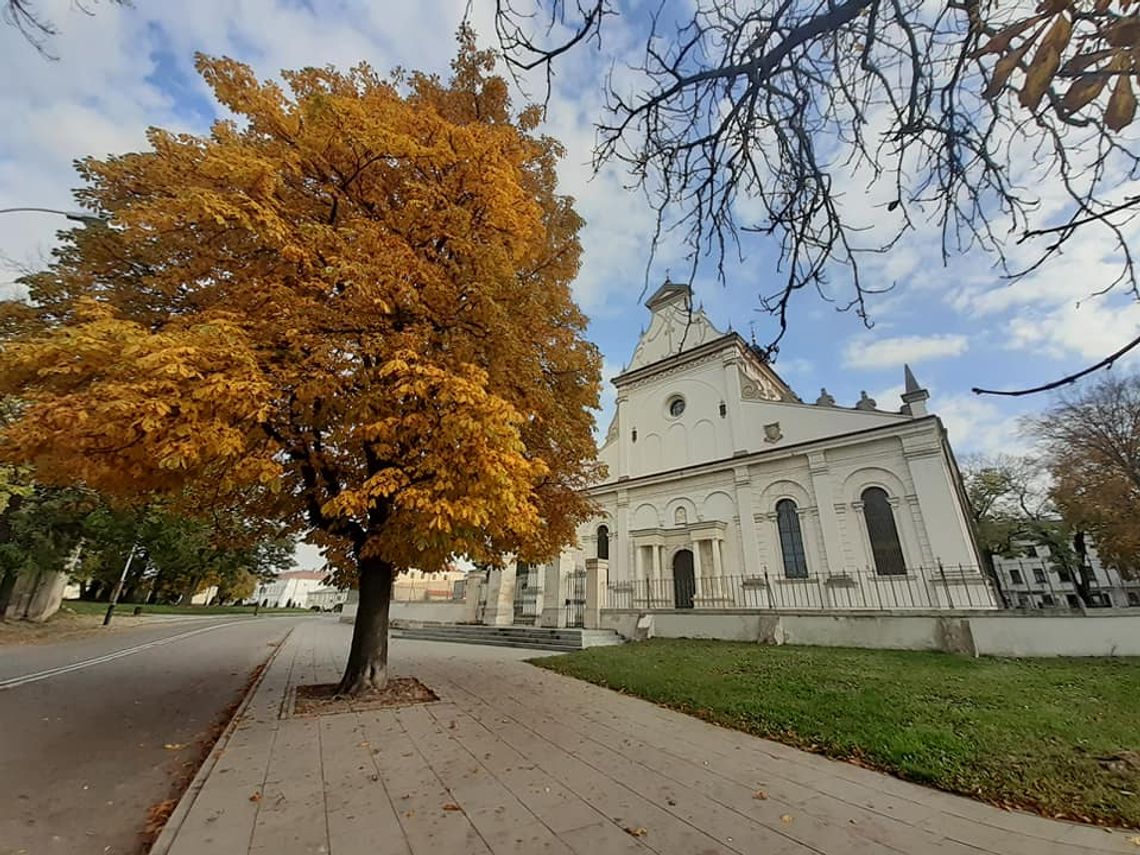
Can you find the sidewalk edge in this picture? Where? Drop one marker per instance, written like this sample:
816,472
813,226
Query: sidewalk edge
173,825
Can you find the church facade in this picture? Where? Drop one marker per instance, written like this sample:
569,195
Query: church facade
725,490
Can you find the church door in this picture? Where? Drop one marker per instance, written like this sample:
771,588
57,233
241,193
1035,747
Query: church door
684,585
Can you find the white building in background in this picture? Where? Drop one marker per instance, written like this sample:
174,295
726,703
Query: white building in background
1033,580
326,598
413,584
726,490
292,587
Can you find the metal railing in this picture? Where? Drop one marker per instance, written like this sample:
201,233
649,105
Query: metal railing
939,587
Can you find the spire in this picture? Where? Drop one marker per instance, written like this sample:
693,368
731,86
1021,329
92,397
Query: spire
911,383
914,396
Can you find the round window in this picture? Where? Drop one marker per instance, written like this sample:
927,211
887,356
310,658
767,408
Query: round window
676,407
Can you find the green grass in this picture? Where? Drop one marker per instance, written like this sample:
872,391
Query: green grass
1026,733
85,607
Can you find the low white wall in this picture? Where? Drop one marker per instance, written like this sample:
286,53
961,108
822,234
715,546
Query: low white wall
1057,635
432,612
883,631
972,633
737,627
442,611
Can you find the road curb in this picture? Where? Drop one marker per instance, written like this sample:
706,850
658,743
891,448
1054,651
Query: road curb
173,825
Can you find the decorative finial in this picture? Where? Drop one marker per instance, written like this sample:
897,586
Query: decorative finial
865,403
824,399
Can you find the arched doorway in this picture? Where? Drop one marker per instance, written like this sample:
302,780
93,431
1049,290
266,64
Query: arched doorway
684,584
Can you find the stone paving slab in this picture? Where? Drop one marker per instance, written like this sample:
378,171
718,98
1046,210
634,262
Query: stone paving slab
514,759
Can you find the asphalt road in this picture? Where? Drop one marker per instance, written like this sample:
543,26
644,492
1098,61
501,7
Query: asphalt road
93,732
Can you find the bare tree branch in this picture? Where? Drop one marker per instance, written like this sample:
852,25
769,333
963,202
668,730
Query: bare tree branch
750,118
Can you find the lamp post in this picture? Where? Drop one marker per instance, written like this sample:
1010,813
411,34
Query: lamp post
75,216
118,589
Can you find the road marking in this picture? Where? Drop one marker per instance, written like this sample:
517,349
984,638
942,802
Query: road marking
13,682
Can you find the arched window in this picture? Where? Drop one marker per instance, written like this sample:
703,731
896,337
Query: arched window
884,535
603,542
791,539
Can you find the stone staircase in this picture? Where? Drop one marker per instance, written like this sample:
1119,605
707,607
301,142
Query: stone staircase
562,640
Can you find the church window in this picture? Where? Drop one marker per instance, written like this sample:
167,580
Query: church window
676,406
791,539
603,542
884,535
723,409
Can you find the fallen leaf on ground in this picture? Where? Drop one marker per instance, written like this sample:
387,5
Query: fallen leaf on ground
786,819
1135,841
637,832
256,797
452,806
174,746
760,794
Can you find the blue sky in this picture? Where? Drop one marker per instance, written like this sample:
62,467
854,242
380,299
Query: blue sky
121,70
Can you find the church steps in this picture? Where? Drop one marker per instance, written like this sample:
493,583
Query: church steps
539,638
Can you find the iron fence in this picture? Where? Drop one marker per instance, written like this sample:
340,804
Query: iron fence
940,587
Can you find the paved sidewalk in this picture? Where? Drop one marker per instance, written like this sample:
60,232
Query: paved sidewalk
516,759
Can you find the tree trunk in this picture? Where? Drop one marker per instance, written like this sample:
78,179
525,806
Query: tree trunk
367,668
7,584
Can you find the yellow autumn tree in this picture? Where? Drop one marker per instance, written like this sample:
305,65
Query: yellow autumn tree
349,310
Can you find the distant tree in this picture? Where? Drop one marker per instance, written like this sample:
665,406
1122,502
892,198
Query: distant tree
238,587
1093,440
1013,509
747,118
350,314
1006,494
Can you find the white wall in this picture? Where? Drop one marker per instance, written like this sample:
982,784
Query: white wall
432,612
1057,635
1019,635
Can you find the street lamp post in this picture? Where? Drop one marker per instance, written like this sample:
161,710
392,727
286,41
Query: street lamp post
75,216
118,589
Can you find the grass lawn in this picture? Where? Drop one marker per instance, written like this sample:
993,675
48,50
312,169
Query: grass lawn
85,607
1039,734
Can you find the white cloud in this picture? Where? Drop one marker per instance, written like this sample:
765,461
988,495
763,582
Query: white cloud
893,352
976,425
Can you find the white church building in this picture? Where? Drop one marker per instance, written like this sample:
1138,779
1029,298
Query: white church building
725,490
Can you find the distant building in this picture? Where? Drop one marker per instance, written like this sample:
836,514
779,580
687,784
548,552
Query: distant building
1033,580
289,588
326,598
412,585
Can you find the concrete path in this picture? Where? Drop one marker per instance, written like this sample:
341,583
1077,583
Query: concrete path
514,759
94,732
